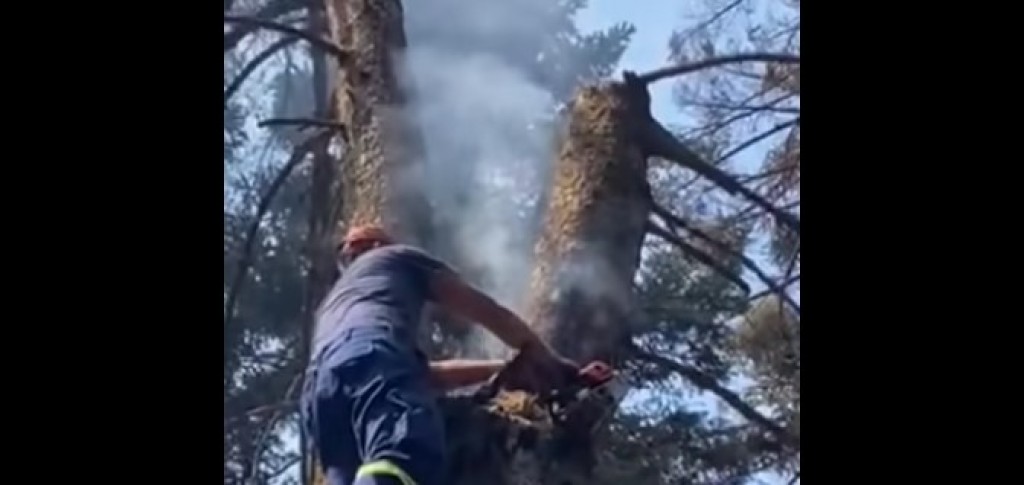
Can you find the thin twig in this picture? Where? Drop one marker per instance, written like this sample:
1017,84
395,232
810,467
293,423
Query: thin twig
249,68
701,256
314,39
273,9
245,261
660,142
689,67
672,220
302,122
710,384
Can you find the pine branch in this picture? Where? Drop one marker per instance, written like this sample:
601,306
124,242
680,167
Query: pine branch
272,10
327,45
701,256
710,384
249,68
673,221
689,67
246,260
659,142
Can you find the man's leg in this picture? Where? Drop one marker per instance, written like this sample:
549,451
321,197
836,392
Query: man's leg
398,425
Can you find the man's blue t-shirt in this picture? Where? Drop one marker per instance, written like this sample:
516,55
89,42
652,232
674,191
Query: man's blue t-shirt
386,287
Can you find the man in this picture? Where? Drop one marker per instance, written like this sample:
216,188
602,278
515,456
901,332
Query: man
368,402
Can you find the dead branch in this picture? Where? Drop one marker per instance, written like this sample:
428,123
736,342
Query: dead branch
660,142
303,123
249,68
314,39
672,220
272,10
708,383
701,256
689,67
245,261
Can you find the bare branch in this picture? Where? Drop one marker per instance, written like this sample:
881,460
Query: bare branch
245,261
314,39
249,68
660,142
710,384
302,122
689,67
701,256
757,139
717,15
747,111
672,221
272,10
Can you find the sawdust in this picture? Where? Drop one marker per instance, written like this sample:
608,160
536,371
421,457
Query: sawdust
521,408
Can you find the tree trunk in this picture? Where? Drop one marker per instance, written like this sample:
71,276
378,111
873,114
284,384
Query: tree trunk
381,171
586,257
580,297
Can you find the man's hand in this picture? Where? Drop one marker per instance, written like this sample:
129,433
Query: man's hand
548,368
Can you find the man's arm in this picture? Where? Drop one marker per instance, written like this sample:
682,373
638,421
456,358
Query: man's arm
458,296
452,374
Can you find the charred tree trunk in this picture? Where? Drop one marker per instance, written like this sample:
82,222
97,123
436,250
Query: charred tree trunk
580,297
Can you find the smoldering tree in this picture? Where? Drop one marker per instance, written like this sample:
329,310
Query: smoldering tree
598,210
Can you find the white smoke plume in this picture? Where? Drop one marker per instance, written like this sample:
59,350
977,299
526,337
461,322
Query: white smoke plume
487,145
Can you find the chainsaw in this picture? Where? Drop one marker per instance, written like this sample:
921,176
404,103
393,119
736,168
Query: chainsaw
589,397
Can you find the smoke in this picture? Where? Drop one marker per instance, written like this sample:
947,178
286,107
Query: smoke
488,139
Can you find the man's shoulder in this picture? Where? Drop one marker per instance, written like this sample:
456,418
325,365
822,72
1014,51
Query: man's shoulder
401,249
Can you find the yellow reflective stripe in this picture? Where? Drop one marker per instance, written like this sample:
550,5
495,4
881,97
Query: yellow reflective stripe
385,467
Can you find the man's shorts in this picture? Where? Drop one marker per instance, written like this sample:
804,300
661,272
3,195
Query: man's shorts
367,398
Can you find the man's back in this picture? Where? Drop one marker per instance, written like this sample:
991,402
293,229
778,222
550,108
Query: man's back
386,286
